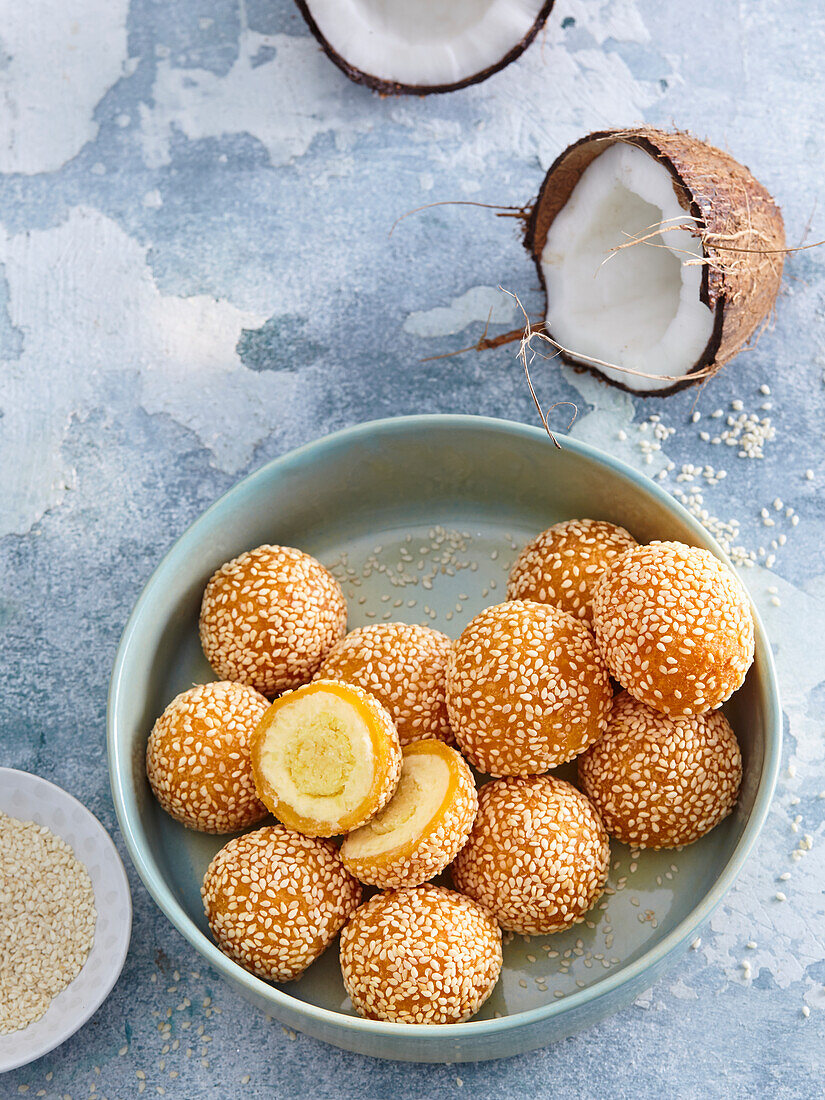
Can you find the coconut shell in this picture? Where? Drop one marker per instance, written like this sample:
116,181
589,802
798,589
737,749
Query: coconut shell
740,226
390,87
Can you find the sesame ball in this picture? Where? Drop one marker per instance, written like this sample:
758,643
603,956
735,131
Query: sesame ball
527,689
326,758
537,857
276,899
422,827
402,665
562,565
198,761
659,781
269,617
675,627
423,955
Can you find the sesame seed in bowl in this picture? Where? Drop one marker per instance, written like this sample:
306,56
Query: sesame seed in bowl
65,916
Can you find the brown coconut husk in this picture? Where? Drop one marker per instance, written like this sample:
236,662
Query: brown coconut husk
739,224
392,88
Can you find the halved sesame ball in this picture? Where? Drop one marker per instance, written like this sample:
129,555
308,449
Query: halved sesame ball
197,758
423,955
675,627
527,689
269,617
537,857
562,565
658,781
403,666
422,827
276,899
326,758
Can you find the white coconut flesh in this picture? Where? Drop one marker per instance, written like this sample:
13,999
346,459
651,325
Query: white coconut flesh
411,811
317,755
424,43
637,308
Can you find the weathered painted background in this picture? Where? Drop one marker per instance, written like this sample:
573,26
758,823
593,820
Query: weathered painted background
196,275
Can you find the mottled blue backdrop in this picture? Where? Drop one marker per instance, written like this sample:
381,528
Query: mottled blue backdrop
196,274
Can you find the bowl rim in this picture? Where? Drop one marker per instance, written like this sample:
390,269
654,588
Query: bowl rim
623,976
39,786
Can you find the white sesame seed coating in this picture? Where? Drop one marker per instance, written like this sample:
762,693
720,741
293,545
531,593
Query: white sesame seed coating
269,617
675,627
660,781
527,688
276,899
423,955
537,857
197,758
402,665
384,762
562,565
437,844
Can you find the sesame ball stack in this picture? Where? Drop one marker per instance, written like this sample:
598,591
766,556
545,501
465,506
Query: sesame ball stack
527,689
537,857
675,627
423,955
269,617
198,759
276,899
403,666
563,564
659,781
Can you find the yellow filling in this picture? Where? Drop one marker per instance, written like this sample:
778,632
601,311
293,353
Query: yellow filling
320,759
411,812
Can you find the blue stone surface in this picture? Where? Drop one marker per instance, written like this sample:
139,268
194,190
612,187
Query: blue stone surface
197,274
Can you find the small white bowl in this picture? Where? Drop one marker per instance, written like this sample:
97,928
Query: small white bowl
30,798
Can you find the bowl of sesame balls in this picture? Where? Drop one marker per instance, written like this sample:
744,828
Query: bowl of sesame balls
440,743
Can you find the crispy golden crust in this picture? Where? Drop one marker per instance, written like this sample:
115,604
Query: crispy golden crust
659,782
386,761
527,689
675,627
404,667
437,846
562,565
537,857
197,757
269,617
276,899
423,955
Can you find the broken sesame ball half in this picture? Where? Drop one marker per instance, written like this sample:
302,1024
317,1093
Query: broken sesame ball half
537,857
675,627
326,758
659,781
269,617
198,759
402,665
275,900
527,689
423,955
422,827
563,564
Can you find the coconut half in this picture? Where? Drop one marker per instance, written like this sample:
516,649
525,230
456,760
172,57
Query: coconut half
416,47
659,255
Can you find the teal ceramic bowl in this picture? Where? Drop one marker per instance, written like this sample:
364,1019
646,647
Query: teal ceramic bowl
420,518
